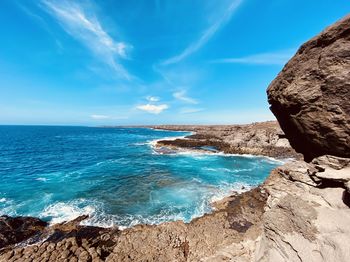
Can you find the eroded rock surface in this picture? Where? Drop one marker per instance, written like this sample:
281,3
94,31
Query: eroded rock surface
311,95
265,138
307,215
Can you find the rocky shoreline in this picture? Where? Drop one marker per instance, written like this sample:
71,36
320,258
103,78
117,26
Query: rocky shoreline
264,139
300,213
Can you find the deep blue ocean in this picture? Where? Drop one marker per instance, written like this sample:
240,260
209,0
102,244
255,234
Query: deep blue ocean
114,175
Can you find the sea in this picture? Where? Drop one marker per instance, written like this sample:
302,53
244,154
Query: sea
115,175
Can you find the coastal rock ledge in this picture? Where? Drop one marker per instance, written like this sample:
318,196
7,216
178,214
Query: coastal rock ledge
300,213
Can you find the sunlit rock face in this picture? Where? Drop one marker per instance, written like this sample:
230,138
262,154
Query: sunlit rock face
311,95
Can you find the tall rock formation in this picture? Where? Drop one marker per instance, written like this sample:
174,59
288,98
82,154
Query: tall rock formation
311,95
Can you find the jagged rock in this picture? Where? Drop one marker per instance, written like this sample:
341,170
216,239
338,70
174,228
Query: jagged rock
305,221
17,229
265,138
311,95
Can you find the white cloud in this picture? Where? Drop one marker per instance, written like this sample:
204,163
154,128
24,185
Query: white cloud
153,109
104,117
181,95
83,25
273,58
206,35
190,110
153,98
98,117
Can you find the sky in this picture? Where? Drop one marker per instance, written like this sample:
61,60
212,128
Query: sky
138,62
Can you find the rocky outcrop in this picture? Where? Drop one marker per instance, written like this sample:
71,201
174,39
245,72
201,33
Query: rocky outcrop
307,212
265,138
311,95
17,229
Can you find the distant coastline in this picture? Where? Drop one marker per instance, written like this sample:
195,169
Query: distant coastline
259,139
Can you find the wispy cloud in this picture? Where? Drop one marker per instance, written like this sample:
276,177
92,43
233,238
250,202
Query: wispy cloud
273,58
40,21
83,25
99,117
182,96
206,35
153,109
153,98
104,117
190,110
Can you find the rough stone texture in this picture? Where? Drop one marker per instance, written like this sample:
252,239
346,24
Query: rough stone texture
16,229
311,95
265,138
307,216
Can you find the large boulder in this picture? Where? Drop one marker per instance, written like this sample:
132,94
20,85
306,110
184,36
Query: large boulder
311,95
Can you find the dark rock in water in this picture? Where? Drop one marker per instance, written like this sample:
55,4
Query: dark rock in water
17,229
311,95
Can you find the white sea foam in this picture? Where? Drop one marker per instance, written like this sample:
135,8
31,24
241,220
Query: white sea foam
198,153
8,207
223,169
61,211
43,179
66,211
227,189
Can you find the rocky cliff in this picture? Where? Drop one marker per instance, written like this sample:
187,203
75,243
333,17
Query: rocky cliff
311,96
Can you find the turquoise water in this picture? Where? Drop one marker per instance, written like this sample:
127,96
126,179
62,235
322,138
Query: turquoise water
114,175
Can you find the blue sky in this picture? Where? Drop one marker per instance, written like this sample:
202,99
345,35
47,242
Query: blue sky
149,61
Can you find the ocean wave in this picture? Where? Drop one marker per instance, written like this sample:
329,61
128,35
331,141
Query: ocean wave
223,169
154,142
228,189
65,211
197,153
61,212
43,179
8,207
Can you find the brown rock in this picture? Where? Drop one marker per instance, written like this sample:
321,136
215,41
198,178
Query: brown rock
264,138
17,229
311,95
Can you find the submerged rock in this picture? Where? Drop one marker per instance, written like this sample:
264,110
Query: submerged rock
311,95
